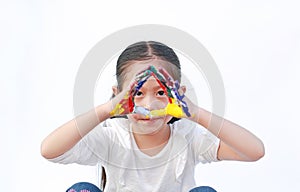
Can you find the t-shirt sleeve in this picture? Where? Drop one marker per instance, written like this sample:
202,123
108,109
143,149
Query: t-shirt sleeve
90,150
205,145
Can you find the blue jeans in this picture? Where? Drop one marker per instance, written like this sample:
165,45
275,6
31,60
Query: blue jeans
89,187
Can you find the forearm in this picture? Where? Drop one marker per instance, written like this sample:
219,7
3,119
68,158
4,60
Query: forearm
240,140
66,136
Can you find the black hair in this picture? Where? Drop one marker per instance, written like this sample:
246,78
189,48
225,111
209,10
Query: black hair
146,50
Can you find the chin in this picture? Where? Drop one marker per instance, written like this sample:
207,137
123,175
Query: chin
148,126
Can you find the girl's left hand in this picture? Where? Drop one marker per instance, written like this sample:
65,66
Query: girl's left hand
179,106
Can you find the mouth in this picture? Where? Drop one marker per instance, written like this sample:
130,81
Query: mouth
143,118
149,122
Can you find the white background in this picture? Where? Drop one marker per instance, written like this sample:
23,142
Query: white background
255,44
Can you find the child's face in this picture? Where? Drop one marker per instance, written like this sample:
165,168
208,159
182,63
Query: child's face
151,96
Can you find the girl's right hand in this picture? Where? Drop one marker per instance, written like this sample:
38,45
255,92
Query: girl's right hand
123,103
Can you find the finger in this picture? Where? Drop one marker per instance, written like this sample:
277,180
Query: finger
138,85
141,110
168,78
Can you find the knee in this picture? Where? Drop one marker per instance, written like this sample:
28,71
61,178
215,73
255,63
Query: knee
83,187
203,189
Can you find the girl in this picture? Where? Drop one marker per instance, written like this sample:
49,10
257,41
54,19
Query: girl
162,136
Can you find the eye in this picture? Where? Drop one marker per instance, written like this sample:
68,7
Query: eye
139,93
161,93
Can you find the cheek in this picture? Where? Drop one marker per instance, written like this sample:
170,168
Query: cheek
159,104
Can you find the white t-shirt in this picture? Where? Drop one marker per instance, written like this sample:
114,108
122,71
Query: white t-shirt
128,169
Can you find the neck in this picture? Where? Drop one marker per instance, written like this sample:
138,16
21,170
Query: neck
153,143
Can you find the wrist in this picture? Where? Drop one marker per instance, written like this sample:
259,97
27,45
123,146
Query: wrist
103,111
195,114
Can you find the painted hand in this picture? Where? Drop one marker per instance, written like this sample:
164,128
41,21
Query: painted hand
123,103
176,107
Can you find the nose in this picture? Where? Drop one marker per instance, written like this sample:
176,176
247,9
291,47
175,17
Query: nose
150,102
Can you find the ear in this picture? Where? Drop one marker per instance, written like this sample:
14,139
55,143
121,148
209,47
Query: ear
115,90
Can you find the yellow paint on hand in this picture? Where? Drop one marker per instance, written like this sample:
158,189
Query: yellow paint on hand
119,107
158,112
174,110
117,110
171,109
